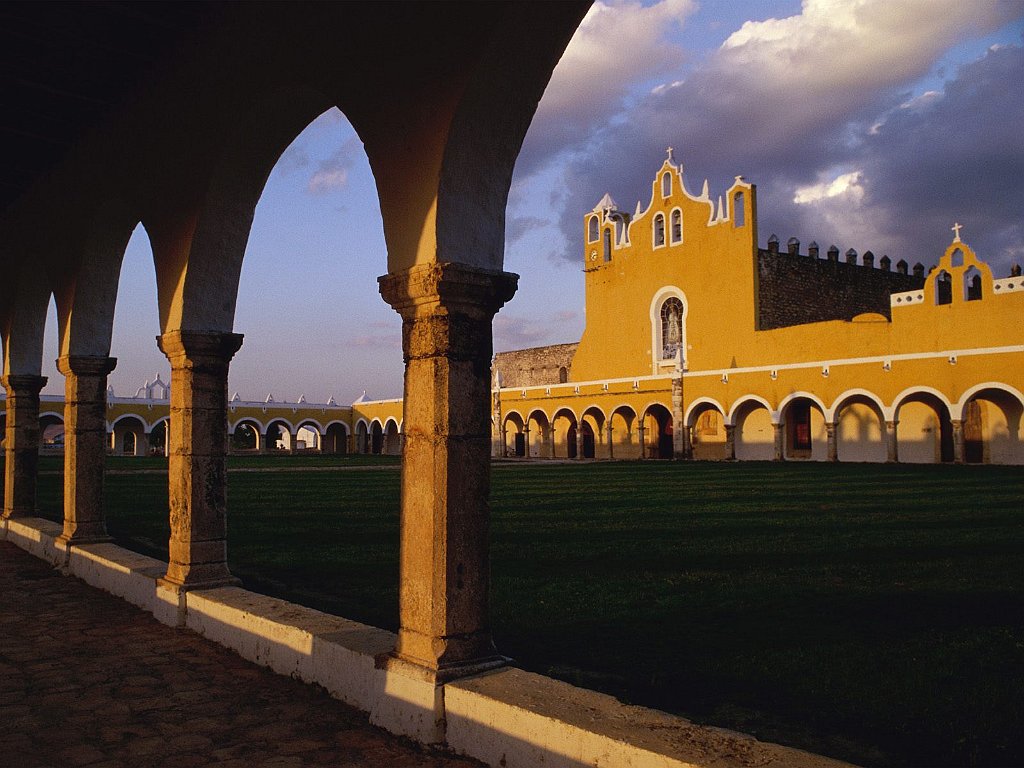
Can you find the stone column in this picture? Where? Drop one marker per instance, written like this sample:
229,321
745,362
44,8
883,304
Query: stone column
833,441
551,442
446,312
293,443
678,428
85,447
780,441
891,442
22,444
730,442
263,447
197,476
958,441
687,442
611,439
526,442
640,430
579,441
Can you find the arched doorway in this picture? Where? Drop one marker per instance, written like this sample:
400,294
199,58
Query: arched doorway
924,432
657,423
804,434
992,427
755,431
860,430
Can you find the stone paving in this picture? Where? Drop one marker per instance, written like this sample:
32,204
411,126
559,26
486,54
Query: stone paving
88,680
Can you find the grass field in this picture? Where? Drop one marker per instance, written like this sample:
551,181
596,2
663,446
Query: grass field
869,612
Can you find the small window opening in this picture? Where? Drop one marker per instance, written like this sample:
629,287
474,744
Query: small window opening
592,229
659,230
972,285
677,227
563,375
607,245
666,184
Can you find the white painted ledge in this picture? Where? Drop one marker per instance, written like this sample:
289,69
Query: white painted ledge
508,718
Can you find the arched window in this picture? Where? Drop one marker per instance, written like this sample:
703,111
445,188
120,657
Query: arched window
563,375
677,226
659,230
671,327
592,229
739,210
666,184
608,244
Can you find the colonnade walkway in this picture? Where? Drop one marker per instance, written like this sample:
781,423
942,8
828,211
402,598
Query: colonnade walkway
87,679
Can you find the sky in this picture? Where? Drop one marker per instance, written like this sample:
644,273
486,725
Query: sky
871,124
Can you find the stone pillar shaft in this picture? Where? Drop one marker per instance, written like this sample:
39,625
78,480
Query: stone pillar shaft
833,441
611,439
197,477
730,442
780,441
687,442
579,440
643,440
678,428
958,441
891,442
85,437
444,577
22,444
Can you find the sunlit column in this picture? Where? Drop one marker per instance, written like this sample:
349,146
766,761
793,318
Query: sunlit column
892,450
833,441
526,442
640,430
446,312
22,444
579,441
85,446
780,437
678,428
197,476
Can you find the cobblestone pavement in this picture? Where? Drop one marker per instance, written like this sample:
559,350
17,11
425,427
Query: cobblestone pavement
87,679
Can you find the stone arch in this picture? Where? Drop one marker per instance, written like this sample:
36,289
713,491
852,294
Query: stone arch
392,445
622,421
564,424
753,421
592,422
335,439
804,433
309,434
247,436
992,414
657,423
128,436
515,438
924,431
540,436
159,437
362,436
51,431
707,423
376,434
279,430
860,419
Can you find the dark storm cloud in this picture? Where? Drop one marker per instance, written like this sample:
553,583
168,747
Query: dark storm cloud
794,104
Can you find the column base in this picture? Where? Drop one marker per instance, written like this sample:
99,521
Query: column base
179,587
75,541
446,673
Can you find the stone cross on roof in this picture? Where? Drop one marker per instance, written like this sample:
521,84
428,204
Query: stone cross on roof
956,232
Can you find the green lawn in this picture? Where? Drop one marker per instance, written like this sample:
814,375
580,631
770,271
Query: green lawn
873,613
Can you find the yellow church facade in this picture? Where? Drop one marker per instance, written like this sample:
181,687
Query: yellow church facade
700,345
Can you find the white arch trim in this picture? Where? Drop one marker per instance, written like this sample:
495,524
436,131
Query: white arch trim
796,395
248,420
123,416
341,424
362,424
730,419
701,401
314,422
595,407
564,410
832,412
647,408
623,406
966,396
158,422
909,391
540,411
663,293
512,412
58,415
390,420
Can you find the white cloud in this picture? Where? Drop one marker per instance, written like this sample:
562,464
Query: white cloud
846,185
332,173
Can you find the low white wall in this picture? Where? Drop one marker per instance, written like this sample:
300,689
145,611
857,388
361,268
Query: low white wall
507,718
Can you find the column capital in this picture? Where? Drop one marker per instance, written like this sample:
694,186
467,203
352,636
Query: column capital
184,347
449,286
23,383
86,365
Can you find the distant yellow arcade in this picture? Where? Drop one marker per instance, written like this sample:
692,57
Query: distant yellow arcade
699,344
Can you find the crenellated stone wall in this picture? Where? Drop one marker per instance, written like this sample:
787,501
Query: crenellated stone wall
535,366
